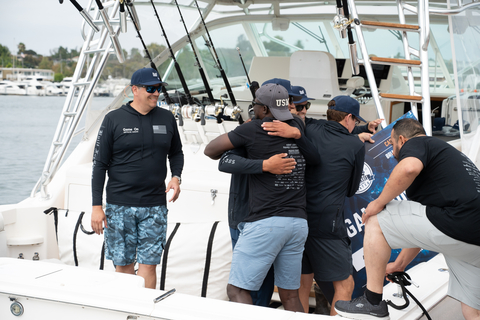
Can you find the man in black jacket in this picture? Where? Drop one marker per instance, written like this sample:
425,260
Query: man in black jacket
133,145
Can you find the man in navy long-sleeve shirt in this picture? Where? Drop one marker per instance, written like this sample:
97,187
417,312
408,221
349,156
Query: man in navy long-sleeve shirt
132,146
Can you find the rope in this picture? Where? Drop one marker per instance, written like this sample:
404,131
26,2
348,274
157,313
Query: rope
403,279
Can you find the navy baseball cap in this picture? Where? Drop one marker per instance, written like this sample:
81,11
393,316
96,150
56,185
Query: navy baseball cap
146,77
348,105
302,92
275,97
285,83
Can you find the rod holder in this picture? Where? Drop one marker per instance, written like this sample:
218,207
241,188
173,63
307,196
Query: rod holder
113,36
352,47
89,20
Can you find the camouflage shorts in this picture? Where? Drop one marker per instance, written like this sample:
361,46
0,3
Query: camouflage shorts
134,231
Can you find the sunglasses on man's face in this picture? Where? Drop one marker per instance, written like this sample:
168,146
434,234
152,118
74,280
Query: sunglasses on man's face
301,106
357,122
257,103
151,89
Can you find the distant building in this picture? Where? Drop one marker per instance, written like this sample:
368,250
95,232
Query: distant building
22,73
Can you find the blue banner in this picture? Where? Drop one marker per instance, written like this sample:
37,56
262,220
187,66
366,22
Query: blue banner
379,163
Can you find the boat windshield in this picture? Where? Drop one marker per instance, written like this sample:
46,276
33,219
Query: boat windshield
274,39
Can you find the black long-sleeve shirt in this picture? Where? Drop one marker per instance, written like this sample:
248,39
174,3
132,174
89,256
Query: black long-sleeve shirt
133,149
336,177
240,167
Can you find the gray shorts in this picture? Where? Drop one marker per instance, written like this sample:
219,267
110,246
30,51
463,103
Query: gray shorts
405,225
327,259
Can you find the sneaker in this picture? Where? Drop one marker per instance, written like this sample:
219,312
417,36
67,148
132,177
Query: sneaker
360,308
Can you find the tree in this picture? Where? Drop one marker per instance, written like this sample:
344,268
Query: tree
46,63
155,49
277,49
21,48
299,44
58,77
5,56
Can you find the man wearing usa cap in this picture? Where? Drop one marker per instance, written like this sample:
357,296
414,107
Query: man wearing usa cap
275,229
292,95
133,144
328,256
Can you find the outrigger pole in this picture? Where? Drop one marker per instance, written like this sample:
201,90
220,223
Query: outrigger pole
209,43
177,66
152,65
200,69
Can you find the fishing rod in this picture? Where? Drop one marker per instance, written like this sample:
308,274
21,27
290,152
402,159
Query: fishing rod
200,69
152,65
177,66
209,44
252,85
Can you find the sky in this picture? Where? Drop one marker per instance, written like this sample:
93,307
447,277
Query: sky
45,25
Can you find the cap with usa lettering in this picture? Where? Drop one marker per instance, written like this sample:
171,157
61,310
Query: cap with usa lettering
275,97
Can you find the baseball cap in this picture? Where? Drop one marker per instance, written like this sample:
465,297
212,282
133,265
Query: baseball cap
348,105
302,92
146,77
275,97
285,83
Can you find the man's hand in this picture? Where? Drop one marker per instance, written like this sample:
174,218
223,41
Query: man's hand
372,125
366,137
401,262
372,209
391,268
175,185
98,219
281,129
278,164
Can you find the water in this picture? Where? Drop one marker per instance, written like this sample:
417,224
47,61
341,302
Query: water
28,124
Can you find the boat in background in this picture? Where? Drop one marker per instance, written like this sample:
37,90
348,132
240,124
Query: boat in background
284,39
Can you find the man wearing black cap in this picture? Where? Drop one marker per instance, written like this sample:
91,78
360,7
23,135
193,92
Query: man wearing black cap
275,229
132,145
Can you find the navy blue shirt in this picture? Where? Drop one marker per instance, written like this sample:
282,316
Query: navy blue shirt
133,148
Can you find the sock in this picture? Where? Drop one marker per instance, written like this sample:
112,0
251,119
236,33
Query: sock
373,298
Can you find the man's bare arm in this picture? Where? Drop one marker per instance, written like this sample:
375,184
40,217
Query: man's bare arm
218,146
404,258
400,179
281,129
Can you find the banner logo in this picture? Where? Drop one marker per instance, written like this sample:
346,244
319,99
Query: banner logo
367,179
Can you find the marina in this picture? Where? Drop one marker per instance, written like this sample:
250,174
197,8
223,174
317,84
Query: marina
50,157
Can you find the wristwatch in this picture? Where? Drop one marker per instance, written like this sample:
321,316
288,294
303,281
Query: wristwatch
179,179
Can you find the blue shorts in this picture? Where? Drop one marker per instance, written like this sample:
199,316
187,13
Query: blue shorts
275,240
134,231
